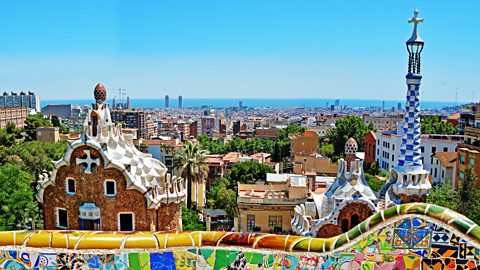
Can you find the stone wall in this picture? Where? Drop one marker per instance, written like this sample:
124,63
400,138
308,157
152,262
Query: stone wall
90,188
169,217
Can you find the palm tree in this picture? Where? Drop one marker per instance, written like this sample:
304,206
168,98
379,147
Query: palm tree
190,163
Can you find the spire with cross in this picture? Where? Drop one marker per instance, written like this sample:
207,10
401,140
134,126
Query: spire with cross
414,45
415,20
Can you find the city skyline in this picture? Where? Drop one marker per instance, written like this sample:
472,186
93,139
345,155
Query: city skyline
227,50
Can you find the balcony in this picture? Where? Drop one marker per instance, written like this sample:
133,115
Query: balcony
472,131
469,146
270,200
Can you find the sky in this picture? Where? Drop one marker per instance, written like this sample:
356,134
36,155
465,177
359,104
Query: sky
238,49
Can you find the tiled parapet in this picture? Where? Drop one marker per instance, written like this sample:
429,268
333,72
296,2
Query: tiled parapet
418,232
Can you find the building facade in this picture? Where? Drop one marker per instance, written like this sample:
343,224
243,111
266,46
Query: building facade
388,148
132,118
443,168
104,183
48,134
387,122
15,115
370,147
270,207
468,152
22,99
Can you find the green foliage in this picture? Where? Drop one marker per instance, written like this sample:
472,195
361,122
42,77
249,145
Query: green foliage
285,133
10,135
433,124
248,172
222,195
190,162
279,148
348,127
465,200
443,195
327,150
37,156
31,123
16,197
55,121
374,183
469,196
62,128
190,220
372,168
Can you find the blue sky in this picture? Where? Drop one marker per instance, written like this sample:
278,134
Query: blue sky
240,49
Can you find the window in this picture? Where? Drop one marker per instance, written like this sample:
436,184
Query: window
445,149
62,218
472,161
275,222
461,175
126,222
250,222
393,146
422,149
70,186
435,174
462,159
434,149
110,188
393,158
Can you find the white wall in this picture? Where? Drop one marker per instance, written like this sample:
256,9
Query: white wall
391,150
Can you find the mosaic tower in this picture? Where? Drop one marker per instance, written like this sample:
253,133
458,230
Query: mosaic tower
409,181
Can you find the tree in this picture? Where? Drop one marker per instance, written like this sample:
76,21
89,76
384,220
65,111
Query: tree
190,221
327,150
374,183
285,133
248,172
16,197
443,195
469,196
350,126
31,123
190,162
55,121
222,195
37,156
433,124
10,135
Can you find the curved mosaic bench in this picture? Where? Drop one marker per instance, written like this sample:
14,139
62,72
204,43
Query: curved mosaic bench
416,233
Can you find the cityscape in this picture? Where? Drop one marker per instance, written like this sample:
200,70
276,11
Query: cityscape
105,178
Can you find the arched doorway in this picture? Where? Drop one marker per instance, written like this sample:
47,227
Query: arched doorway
353,214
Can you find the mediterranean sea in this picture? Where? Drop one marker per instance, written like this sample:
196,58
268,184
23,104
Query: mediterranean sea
273,103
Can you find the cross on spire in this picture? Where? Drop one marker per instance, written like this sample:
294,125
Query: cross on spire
415,20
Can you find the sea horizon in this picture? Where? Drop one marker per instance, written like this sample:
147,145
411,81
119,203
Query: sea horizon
145,103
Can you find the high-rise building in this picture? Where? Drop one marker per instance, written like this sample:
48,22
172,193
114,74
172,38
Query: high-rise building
167,101
180,102
132,118
13,99
240,104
